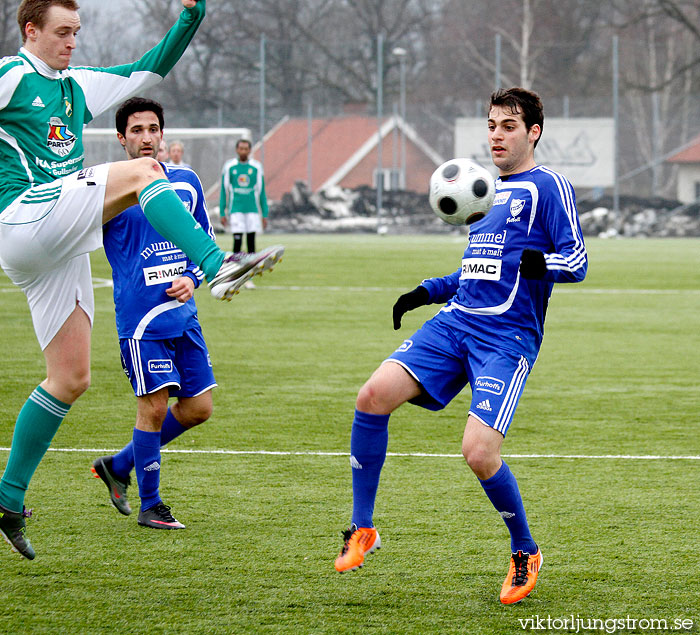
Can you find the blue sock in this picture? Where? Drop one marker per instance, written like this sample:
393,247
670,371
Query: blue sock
123,461
368,443
502,490
171,429
147,464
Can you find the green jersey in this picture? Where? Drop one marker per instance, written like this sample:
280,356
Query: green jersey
242,188
43,111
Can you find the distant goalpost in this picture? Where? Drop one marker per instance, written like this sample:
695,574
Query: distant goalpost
206,150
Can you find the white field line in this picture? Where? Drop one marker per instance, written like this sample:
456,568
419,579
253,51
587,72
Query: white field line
590,457
106,283
557,289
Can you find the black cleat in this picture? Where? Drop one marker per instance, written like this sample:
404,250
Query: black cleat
13,528
102,468
159,517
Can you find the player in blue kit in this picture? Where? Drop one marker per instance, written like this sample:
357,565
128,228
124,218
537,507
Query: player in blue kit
488,334
162,347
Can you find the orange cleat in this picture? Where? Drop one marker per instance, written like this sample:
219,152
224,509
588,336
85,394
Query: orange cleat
358,542
521,577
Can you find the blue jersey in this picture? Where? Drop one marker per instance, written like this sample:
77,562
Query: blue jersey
144,266
487,296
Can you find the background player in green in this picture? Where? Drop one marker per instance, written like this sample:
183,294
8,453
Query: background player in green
242,201
52,211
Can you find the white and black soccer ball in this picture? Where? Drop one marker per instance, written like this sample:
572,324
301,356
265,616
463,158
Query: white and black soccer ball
461,191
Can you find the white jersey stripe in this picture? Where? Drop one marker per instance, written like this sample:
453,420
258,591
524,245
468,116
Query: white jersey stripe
489,310
154,313
512,396
578,257
134,347
530,187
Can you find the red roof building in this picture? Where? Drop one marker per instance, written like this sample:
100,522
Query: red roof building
688,161
343,151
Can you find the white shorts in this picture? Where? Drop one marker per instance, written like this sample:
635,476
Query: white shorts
46,235
240,223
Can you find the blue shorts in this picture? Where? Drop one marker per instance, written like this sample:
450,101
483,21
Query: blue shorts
443,360
181,363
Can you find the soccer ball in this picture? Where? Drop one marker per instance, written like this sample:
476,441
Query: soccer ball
461,191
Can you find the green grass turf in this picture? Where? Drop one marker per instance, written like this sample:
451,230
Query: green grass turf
617,374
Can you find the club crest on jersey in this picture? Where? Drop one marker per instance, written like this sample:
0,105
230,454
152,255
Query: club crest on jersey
60,140
516,206
243,180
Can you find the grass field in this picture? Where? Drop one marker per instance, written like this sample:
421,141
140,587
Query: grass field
617,375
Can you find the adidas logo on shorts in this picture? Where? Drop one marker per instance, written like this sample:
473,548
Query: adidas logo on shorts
484,405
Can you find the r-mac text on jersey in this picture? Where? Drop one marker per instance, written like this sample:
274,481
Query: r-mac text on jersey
164,273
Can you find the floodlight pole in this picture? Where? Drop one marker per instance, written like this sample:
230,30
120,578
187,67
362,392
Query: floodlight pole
401,53
497,71
616,119
262,99
309,142
380,114
655,137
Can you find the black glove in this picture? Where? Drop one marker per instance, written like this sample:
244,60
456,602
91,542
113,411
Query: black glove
532,264
409,301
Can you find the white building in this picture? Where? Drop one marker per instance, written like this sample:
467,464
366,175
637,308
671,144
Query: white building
688,162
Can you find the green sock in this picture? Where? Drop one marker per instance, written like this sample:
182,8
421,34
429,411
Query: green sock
166,213
36,426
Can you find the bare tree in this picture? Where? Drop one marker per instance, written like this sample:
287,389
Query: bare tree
553,47
660,70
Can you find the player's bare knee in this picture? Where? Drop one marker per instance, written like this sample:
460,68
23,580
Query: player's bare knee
370,400
158,411
199,414
478,458
145,171
76,384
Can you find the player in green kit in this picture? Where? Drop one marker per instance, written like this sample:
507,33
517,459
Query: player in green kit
242,200
52,211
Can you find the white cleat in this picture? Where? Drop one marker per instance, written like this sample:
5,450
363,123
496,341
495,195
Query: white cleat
238,269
